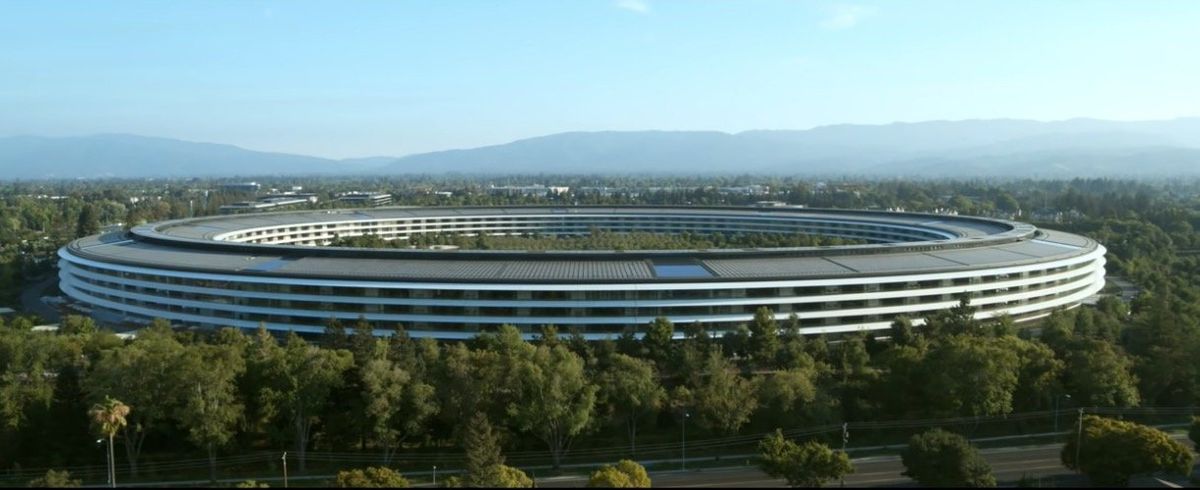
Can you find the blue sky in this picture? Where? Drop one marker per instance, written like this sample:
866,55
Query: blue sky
359,78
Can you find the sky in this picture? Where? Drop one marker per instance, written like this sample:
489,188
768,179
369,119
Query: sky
365,78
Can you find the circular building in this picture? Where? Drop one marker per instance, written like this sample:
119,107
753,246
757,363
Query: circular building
276,269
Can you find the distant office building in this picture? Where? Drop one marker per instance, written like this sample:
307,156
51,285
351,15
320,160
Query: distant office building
269,202
366,198
241,187
747,190
536,190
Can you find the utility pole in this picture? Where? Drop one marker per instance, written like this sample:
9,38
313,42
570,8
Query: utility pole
107,465
845,439
284,458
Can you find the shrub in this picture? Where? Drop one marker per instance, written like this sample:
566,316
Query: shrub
374,477
626,474
803,465
937,458
54,479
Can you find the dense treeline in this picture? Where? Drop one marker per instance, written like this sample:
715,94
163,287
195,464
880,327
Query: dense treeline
597,239
229,391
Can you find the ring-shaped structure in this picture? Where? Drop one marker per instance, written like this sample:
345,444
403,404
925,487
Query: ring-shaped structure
275,269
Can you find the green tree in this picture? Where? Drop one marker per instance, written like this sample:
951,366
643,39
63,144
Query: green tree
143,374
626,474
1099,374
55,479
658,343
109,418
958,320
629,390
77,324
372,477
790,390
25,389
211,409
1038,375
501,476
902,331
1165,340
723,399
637,473
483,450
298,379
803,465
398,406
764,338
609,477
937,458
336,336
969,375
252,484
1110,452
88,222
556,400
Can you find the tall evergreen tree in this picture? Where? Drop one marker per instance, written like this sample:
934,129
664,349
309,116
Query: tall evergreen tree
764,338
483,451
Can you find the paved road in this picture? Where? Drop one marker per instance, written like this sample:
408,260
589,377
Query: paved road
1128,290
1008,465
31,299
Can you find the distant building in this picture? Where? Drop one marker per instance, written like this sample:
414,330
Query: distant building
747,190
534,190
366,198
269,202
241,187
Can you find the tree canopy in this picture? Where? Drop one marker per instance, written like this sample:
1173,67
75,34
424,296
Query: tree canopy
938,458
811,464
1110,451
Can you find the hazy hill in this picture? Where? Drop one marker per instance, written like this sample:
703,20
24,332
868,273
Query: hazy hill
974,148
959,148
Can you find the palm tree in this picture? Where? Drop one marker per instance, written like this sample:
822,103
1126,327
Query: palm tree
110,418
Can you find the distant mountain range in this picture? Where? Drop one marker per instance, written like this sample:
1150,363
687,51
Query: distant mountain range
974,148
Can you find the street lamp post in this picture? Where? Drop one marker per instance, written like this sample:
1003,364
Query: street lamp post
435,475
284,458
1079,442
683,456
107,464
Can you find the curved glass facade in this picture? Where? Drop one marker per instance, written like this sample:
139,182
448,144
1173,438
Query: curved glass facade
128,279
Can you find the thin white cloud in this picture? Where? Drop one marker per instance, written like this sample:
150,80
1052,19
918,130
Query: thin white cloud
846,16
639,6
